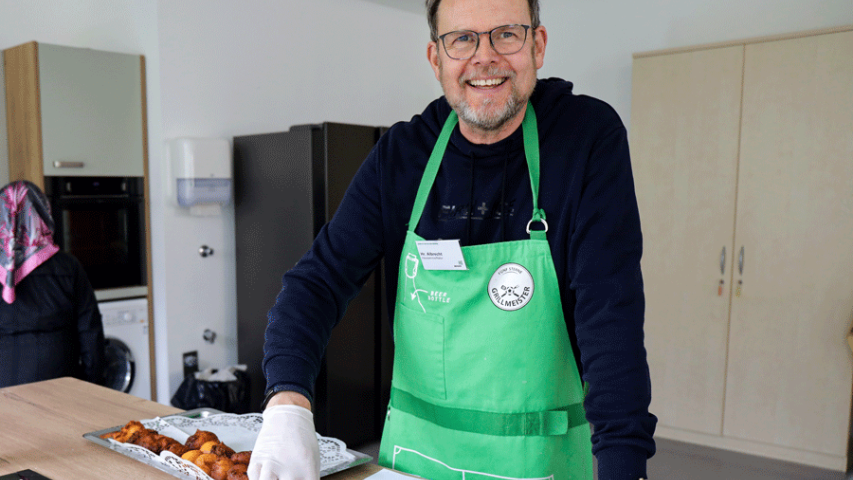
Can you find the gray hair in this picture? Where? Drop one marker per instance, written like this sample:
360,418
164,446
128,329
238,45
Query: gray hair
432,16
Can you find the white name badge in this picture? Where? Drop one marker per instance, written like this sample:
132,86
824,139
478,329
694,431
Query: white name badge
441,255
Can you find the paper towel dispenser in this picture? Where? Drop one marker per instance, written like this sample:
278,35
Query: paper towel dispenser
201,178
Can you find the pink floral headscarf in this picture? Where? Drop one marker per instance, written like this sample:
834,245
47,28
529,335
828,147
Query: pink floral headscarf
26,234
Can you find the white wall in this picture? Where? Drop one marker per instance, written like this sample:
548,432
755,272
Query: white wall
591,43
218,68
415,6
230,69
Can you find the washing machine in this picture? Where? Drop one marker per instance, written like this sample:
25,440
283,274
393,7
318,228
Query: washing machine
128,356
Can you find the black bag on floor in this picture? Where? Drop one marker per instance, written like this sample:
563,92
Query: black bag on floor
204,389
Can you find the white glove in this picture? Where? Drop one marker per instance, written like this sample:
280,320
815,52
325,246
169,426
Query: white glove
287,447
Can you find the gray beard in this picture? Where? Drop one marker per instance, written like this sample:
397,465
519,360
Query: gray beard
489,122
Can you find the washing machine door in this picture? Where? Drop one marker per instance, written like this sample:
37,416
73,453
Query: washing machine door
120,367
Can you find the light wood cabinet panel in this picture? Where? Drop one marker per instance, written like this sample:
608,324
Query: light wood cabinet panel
685,183
749,145
789,366
4,146
23,115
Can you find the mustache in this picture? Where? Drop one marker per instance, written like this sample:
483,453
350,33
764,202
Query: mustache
491,71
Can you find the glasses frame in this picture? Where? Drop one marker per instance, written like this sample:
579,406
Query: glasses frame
491,41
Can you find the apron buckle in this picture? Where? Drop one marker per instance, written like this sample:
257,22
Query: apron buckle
541,220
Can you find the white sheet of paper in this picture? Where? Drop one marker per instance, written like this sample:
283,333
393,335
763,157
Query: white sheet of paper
388,475
441,255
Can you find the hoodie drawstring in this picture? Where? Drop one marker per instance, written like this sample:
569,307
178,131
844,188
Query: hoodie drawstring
503,200
470,205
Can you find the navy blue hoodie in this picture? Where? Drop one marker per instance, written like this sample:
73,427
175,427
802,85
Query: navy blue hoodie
482,195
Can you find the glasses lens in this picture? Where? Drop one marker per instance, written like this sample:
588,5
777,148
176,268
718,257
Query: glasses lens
509,39
460,45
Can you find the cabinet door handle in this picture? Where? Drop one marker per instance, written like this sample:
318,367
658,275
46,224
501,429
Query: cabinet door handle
69,164
723,261
740,261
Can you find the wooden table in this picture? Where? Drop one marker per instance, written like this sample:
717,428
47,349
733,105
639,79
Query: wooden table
42,426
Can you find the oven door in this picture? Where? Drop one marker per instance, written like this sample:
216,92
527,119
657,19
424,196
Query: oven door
106,233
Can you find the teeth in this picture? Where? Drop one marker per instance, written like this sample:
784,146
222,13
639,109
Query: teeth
487,83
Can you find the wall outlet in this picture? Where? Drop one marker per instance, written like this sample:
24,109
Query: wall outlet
190,363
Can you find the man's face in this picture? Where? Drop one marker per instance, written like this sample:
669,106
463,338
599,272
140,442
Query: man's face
488,90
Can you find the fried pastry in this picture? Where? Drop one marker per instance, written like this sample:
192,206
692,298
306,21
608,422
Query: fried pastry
191,455
206,446
242,457
203,448
238,472
199,438
222,450
178,448
205,461
126,431
219,469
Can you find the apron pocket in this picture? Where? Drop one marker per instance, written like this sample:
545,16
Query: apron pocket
419,353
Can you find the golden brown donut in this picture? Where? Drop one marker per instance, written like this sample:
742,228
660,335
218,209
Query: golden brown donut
178,448
238,472
205,461
206,446
167,442
222,450
126,431
242,457
191,455
142,436
199,438
219,469
150,440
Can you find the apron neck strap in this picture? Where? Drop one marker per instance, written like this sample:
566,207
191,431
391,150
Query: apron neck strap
432,169
530,130
531,152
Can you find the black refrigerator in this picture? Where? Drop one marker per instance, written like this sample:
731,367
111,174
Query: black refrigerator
287,185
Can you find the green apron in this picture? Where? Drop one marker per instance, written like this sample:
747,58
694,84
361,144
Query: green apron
485,384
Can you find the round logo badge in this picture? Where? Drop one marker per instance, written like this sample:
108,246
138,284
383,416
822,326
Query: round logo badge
511,287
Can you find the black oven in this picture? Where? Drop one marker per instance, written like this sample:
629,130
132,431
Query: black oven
101,221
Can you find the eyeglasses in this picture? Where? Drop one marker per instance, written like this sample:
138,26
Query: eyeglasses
506,40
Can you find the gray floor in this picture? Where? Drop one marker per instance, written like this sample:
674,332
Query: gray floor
681,461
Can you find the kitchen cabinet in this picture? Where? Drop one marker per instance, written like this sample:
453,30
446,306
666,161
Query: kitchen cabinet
743,162
74,112
80,112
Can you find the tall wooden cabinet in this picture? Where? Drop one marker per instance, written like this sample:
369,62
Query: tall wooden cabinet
79,112
743,162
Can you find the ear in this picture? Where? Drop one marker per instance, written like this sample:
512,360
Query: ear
540,41
432,57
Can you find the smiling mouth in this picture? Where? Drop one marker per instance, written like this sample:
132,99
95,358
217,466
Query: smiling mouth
487,83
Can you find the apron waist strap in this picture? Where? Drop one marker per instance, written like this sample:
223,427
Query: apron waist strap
545,423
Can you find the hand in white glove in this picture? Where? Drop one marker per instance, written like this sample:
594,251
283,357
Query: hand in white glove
287,447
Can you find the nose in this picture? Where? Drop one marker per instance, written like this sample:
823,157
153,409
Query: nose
485,52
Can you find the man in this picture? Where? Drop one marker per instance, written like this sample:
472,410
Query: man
541,278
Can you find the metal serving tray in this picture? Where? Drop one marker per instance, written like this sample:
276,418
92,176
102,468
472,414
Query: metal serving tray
175,470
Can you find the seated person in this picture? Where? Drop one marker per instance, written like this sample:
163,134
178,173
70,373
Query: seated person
50,325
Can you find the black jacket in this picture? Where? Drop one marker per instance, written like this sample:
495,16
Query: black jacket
53,328
482,194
